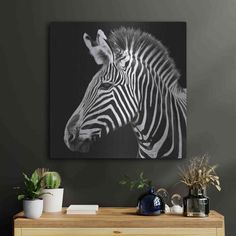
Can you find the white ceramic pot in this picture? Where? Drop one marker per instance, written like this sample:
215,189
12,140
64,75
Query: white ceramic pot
52,202
33,208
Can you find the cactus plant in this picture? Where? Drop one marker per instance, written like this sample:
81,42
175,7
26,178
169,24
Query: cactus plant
52,180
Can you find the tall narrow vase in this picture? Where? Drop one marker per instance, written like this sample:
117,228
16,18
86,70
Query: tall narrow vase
196,203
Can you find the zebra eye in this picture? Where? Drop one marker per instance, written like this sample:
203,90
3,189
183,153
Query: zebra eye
106,86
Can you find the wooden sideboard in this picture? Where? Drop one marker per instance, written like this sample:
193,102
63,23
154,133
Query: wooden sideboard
118,221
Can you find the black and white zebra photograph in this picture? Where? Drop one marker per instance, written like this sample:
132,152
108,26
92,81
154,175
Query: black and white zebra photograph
118,90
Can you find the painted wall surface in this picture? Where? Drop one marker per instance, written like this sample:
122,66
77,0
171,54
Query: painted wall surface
24,97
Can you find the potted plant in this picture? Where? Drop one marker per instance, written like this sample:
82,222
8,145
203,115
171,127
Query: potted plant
197,176
149,203
31,196
51,183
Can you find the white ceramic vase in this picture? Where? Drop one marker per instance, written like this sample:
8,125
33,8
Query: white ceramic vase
33,208
52,199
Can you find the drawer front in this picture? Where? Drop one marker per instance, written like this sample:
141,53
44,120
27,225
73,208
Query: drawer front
118,232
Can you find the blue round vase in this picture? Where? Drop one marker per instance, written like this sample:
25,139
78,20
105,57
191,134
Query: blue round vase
150,204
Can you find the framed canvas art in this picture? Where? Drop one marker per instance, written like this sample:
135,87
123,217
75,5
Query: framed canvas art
118,90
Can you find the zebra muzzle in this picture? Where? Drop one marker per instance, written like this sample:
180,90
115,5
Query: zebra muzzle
83,146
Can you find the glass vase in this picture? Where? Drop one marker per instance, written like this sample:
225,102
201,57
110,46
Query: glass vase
196,204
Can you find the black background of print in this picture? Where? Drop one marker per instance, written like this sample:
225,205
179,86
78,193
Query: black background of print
72,68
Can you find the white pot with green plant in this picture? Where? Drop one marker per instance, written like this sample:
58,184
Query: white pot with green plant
31,196
52,202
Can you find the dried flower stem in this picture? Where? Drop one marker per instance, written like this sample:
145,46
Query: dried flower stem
199,174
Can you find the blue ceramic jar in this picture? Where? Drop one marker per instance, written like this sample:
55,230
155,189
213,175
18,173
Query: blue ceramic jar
150,203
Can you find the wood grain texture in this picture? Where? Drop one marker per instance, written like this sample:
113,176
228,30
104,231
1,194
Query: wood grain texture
118,218
118,232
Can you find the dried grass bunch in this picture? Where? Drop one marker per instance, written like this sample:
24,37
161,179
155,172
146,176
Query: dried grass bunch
199,173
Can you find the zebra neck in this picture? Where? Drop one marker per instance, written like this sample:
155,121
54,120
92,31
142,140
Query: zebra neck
145,147
160,127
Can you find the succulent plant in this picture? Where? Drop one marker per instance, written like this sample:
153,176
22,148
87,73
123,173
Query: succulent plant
52,180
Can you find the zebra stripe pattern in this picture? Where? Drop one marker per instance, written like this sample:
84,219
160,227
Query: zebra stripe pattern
137,84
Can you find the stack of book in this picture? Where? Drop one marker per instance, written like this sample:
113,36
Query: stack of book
82,209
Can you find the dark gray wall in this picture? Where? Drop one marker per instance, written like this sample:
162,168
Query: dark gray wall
211,72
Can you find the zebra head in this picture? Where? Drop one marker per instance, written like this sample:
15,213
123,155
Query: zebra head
108,102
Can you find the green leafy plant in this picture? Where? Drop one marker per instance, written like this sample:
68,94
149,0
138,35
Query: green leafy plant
52,180
140,183
199,173
32,187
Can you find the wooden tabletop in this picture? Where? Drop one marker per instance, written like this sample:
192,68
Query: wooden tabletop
115,217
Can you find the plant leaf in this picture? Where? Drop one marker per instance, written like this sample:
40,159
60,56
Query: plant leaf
25,176
141,175
123,182
20,197
140,186
218,187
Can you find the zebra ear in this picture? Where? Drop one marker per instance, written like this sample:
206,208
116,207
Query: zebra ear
100,49
101,37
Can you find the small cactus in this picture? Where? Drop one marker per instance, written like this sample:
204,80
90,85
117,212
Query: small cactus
52,180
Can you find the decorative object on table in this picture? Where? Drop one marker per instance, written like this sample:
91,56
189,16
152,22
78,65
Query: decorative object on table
167,209
31,196
52,202
197,176
96,89
82,209
149,203
163,193
176,201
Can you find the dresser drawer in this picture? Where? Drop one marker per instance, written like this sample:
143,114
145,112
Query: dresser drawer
118,221
117,231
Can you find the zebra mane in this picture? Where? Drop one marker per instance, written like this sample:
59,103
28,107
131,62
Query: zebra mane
134,40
